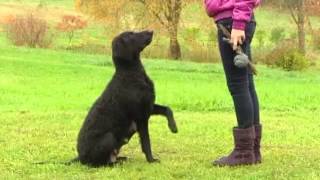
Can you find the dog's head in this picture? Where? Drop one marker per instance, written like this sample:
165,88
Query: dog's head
128,45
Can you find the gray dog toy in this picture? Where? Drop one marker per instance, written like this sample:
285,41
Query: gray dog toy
241,60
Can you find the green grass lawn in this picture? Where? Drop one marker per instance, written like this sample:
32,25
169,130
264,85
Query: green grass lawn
45,95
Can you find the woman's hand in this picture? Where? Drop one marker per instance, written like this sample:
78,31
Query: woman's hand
237,37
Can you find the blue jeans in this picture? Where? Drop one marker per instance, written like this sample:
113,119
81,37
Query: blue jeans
240,80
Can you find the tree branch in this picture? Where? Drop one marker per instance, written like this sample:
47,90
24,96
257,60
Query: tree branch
291,9
153,12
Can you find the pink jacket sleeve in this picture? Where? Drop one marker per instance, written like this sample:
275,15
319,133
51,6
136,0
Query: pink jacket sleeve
210,5
242,12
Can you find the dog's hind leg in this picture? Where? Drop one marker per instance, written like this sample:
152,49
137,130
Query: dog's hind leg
167,112
143,131
104,152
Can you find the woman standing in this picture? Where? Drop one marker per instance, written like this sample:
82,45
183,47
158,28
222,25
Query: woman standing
238,18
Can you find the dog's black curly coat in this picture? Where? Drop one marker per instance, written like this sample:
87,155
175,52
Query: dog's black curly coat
123,108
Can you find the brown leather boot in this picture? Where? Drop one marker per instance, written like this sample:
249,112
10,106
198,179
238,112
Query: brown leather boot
242,153
257,139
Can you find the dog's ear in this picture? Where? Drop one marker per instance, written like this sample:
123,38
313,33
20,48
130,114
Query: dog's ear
120,49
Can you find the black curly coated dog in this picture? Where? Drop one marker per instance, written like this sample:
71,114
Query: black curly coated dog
123,108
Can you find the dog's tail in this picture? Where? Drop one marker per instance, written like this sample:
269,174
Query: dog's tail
74,160
68,163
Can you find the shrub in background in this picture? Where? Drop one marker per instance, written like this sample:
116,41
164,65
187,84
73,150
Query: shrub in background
259,55
70,24
30,31
8,19
191,34
287,56
316,39
260,36
199,47
293,61
277,34
88,44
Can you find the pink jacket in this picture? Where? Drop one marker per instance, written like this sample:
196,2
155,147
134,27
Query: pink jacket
239,10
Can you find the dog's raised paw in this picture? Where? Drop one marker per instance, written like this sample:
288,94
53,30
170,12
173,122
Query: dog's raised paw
173,127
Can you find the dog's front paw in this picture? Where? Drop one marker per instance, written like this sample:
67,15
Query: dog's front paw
153,160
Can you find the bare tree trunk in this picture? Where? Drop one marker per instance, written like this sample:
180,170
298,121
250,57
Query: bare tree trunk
173,22
175,51
299,19
301,27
